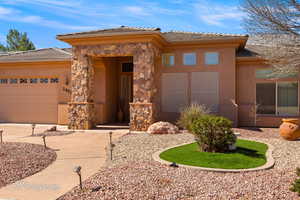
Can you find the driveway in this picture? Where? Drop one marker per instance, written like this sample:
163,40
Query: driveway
85,149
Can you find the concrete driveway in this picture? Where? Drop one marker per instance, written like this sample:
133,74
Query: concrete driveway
85,149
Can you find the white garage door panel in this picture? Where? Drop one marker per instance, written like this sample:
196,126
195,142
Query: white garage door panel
205,89
28,103
174,91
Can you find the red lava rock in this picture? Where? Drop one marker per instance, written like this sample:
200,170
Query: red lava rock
20,160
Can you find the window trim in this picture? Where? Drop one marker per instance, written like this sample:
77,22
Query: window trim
276,100
212,52
168,54
183,56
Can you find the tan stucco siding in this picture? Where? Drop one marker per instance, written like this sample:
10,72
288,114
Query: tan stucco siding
226,70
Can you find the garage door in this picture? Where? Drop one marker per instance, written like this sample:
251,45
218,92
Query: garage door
28,100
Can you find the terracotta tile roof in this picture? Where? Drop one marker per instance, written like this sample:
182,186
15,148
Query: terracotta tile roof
118,30
177,36
47,54
171,36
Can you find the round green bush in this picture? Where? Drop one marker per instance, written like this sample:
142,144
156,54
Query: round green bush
213,133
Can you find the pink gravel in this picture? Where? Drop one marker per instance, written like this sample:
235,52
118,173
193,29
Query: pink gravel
134,175
20,160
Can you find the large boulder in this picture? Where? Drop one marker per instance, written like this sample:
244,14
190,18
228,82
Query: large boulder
163,128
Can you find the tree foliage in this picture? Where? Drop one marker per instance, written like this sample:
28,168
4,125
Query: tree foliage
17,41
278,23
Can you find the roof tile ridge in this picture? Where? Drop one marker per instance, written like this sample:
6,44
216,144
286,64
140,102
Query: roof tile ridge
62,51
206,33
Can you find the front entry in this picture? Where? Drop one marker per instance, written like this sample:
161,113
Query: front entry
125,92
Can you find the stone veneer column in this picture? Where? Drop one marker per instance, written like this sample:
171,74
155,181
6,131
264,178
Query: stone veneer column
81,107
142,110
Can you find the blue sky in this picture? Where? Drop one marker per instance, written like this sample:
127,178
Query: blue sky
44,19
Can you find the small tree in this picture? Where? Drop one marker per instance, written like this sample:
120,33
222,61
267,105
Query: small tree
17,41
276,23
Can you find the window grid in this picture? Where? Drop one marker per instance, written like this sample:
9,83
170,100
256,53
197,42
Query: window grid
189,59
168,59
212,58
3,81
276,98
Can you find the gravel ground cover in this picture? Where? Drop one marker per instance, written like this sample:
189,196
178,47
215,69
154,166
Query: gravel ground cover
134,175
20,160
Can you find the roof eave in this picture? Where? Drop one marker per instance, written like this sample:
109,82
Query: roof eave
33,61
92,35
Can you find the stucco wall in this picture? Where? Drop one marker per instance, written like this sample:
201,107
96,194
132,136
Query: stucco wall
227,81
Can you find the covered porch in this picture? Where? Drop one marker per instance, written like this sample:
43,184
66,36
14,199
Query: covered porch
103,96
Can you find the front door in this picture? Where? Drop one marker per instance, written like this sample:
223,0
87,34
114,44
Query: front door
126,90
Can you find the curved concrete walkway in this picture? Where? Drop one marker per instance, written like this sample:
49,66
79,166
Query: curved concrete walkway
85,149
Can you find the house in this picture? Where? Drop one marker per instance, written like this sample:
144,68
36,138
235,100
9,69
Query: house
143,75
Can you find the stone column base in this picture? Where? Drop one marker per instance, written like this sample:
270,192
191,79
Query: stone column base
141,116
81,116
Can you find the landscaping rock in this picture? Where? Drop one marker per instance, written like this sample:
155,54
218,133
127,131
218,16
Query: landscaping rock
163,128
20,160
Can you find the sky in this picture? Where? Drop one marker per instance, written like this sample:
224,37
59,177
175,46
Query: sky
42,20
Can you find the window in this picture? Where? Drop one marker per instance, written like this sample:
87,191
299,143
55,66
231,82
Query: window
189,59
269,73
54,80
13,81
287,98
266,98
23,80
174,92
211,58
277,98
33,80
168,59
127,67
205,89
44,80
3,81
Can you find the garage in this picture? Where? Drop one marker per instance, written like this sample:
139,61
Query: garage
31,85
29,100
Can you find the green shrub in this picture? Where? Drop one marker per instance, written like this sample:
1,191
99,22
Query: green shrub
296,185
213,133
191,113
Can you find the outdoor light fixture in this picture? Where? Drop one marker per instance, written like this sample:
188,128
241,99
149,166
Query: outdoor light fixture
44,140
1,139
111,145
77,170
174,164
33,127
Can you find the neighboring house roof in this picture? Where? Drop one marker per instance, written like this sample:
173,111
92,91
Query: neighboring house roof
47,54
177,36
255,51
172,36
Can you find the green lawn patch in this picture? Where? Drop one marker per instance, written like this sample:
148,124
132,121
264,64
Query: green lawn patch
249,154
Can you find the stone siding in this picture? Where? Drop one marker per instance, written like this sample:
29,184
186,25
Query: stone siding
142,110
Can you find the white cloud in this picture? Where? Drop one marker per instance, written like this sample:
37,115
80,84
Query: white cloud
16,16
151,8
5,11
216,14
136,10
